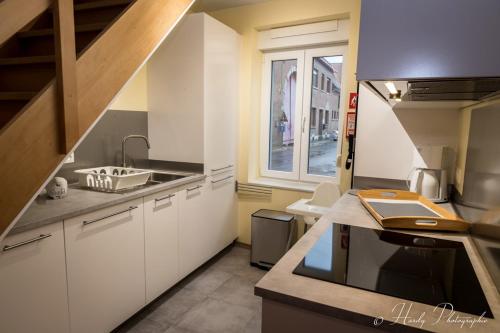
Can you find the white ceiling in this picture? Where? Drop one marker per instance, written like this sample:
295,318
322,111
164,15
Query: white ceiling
211,5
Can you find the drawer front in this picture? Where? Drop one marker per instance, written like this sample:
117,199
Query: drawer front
105,259
33,282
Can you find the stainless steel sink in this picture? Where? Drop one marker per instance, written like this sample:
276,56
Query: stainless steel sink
161,177
152,177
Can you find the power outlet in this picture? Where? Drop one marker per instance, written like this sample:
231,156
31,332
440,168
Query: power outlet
70,158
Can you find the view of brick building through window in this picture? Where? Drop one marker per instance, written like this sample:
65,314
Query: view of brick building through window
283,93
323,120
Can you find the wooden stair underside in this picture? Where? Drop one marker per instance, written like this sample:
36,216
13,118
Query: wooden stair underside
29,144
27,58
17,95
50,32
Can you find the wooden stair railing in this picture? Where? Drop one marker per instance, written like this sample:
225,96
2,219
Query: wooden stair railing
30,143
33,57
65,49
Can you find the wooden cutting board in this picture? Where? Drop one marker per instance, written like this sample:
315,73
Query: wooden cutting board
409,210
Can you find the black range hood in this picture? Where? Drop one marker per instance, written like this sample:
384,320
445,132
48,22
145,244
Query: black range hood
451,90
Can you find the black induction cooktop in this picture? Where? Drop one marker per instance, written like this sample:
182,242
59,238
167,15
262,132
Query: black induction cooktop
421,269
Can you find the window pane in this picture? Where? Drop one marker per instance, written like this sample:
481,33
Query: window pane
323,134
281,131
315,78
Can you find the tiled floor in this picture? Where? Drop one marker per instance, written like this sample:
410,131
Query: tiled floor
217,298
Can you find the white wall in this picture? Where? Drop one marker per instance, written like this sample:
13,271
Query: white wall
386,139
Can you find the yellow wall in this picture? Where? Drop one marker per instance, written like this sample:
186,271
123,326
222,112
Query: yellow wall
247,20
134,95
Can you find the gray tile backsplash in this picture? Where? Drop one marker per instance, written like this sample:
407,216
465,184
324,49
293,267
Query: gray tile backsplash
102,146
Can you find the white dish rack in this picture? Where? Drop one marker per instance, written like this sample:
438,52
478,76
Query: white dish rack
112,179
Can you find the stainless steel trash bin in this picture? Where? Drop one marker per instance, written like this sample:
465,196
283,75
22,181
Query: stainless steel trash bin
272,235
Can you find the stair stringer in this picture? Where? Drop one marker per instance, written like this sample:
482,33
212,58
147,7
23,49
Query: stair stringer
29,143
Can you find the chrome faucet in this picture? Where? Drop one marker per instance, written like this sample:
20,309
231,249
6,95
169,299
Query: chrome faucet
134,136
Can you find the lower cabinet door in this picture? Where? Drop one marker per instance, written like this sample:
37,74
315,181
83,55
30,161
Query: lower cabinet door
161,223
223,211
33,292
194,227
105,267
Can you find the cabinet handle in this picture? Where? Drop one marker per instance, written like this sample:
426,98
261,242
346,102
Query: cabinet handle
221,180
219,169
131,208
26,242
193,188
170,196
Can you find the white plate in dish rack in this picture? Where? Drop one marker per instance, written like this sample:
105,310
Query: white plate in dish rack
112,179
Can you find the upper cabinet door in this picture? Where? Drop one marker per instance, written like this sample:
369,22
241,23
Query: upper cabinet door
405,39
161,226
33,282
175,94
221,92
193,94
105,265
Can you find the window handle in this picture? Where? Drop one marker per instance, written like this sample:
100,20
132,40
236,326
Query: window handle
303,124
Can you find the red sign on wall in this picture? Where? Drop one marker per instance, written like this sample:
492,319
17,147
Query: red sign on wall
353,100
350,124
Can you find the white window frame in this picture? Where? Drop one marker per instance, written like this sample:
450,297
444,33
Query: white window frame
302,112
310,54
266,115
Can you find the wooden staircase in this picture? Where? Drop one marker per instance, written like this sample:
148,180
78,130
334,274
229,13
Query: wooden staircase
27,60
61,64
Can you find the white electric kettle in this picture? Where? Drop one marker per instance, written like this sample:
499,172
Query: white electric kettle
431,183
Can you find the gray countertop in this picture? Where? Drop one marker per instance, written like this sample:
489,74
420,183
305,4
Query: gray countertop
357,305
79,201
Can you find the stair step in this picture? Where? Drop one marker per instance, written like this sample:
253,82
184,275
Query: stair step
49,32
101,4
27,60
17,95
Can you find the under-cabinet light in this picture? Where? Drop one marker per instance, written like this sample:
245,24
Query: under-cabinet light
391,87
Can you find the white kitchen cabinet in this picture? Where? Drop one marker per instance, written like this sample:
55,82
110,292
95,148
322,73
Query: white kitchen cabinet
193,98
105,267
33,290
221,92
207,220
161,223
193,94
222,205
195,227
